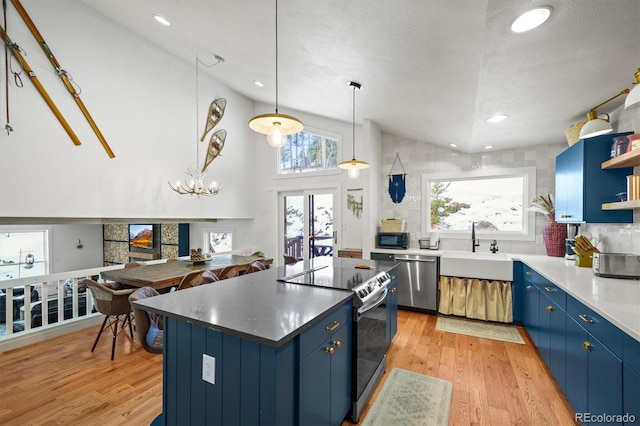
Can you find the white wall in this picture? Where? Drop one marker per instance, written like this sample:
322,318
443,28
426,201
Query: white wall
142,99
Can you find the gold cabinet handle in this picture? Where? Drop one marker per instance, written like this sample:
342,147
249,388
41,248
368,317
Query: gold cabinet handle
528,273
586,319
587,346
549,308
337,343
393,290
528,288
549,289
333,326
330,350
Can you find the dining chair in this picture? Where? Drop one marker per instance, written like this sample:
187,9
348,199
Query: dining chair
229,272
256,266
196,278
114,304
148,324
288,260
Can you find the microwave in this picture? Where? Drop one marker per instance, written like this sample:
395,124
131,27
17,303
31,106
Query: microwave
392,240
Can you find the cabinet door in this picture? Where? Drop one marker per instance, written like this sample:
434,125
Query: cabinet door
605,380
341,374
631,393
531,311
315,387
569,185
557,343
576,367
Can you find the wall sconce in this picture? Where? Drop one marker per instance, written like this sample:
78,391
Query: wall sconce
597,126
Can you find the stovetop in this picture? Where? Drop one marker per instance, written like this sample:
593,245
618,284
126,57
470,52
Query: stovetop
329,272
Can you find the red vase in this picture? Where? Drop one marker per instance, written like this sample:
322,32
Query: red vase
554,235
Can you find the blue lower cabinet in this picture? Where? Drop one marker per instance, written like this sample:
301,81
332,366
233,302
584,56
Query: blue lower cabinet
531,311
392,308
631,392
593,377
557,330
325,380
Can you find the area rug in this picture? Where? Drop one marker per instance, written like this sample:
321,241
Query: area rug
409,398
485,330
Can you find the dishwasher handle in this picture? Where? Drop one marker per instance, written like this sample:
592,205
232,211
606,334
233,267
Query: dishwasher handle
413,259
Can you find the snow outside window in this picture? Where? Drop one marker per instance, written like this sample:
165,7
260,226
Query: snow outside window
23,254
308,151
218,241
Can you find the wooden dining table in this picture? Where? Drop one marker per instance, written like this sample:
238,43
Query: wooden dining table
169,274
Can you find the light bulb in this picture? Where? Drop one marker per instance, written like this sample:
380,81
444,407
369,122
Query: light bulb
353,172
276,136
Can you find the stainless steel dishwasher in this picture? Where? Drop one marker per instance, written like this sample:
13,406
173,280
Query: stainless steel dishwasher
418,281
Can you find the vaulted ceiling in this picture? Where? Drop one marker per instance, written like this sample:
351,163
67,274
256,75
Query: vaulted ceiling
432,70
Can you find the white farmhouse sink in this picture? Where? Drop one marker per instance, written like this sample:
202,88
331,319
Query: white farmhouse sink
486,266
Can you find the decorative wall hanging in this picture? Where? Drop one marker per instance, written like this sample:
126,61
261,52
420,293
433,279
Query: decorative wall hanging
216,111
354,201
397,182
66,78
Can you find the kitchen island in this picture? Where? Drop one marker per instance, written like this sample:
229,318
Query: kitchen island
233,350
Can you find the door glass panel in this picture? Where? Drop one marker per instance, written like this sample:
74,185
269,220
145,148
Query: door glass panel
293,225
321,225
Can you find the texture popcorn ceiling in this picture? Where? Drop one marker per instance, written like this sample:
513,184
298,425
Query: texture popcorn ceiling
419,157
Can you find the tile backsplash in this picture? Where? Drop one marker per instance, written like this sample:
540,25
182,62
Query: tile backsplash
420,158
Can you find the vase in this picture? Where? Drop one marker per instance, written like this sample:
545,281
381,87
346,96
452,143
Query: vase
554,235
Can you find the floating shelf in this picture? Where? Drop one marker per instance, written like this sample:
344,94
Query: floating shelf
628,159
622,205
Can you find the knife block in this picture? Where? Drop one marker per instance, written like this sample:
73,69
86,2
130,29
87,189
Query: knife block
585,260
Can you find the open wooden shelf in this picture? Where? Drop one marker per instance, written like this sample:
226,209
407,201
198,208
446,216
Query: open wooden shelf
628,159
622,205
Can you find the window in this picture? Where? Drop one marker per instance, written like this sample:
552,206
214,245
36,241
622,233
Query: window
308,152
23,254
495,200
218,242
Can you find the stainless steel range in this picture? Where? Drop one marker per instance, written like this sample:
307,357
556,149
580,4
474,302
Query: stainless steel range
370,287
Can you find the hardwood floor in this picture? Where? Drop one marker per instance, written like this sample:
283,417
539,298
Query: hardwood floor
60,382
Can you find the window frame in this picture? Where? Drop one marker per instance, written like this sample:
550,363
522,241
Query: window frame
312,173
528,219
206,235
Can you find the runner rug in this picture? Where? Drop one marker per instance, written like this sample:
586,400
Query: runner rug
408,399
505,333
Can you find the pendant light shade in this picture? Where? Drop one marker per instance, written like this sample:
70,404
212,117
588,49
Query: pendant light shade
633,99
354,166
276,126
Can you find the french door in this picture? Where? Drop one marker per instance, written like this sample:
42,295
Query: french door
308,223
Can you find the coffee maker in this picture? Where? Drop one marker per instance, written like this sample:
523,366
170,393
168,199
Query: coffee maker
572,231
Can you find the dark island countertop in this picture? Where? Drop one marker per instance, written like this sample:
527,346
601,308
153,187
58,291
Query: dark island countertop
257,307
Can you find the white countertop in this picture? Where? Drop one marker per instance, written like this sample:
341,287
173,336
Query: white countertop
616,300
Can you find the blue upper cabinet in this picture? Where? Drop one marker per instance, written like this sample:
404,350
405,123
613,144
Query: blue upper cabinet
582,186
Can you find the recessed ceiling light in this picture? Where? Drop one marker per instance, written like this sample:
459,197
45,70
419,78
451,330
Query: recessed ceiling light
488,147
531,19
497,118
258,83
453,145
162,20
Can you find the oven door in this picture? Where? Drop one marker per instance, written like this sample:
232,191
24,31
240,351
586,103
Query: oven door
370,338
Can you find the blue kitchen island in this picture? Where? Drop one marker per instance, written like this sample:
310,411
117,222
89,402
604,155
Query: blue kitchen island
253,350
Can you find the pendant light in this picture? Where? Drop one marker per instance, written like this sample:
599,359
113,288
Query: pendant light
354,166
276,126
633,98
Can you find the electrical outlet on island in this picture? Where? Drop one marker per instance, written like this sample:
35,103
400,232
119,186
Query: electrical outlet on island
209,369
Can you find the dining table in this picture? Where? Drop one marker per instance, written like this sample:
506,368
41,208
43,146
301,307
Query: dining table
168,274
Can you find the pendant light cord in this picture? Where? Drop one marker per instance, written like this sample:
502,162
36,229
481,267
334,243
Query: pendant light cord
276,56
197,111
354,123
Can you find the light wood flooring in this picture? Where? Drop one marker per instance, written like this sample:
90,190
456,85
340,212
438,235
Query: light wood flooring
60,382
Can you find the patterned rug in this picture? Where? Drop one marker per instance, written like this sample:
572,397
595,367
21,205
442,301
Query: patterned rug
505,333
409,398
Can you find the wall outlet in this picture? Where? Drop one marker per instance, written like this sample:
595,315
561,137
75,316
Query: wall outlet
209,369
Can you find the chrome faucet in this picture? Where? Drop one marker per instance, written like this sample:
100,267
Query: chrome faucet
474,243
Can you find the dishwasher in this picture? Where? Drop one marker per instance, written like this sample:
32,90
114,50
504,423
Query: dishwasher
418,282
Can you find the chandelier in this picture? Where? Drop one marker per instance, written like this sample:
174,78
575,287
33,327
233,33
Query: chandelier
195,184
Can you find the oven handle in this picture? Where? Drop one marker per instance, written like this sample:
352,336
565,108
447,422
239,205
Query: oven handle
368,307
